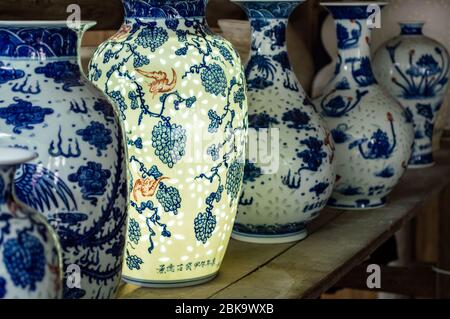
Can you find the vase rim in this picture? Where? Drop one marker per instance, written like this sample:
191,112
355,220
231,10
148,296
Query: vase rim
411,22
44,23
14,156
353,4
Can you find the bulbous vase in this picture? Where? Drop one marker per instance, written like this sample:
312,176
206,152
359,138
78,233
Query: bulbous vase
415,69
180,92
285,189
30,255
373,134
78,182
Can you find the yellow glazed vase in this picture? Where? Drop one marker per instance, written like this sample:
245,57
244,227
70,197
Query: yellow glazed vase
180,92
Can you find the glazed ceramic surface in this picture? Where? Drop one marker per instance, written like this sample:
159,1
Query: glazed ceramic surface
282,195
79,179
30,256
415,69
181,95
373,134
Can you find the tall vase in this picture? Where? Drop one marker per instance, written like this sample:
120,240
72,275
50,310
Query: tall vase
181,95
415,69
78,182
30,255
372,133
286,189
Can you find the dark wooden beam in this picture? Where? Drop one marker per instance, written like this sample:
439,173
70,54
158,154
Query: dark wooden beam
415,281
108,14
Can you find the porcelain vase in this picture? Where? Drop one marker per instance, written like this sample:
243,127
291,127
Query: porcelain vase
415,69
180,91
78,182
30,255
286,188
373,134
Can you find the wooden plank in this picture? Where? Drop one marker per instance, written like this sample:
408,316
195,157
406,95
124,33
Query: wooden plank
308,268
443,280
414,280
315,265
241,260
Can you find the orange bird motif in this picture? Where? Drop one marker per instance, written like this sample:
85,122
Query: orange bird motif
146,187
160,81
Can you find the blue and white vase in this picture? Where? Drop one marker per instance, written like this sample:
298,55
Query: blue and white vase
286,189
180,91
415,70
372,133
78,182
30,255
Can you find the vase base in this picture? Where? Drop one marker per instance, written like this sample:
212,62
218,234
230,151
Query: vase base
421,166
354,206
267,239
169,283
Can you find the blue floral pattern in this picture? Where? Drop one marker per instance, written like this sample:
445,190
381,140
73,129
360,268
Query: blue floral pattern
415,70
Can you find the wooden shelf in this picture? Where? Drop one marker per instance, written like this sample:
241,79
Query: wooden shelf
339,242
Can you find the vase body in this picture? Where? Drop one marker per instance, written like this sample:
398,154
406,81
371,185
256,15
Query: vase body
371,131
30,256
285,190
180,91
78,182
415,69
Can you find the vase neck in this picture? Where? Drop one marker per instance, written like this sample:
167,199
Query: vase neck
6,182
164,9
268,36
39,41
353,38
411,28
354,64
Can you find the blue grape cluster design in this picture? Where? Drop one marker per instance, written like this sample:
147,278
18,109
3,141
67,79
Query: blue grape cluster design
226,54
152,38
235,175
204,225
169,198
169,142
134,231
117,97
2,287
214,79
134,262
25,261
